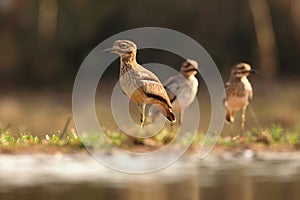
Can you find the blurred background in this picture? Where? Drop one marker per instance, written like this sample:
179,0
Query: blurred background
43,43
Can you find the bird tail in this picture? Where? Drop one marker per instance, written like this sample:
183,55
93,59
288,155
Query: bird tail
165,110
171,117
229,117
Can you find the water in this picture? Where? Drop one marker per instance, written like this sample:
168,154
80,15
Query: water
226,176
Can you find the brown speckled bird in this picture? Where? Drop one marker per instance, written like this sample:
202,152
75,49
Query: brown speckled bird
238,92
181,89
139,84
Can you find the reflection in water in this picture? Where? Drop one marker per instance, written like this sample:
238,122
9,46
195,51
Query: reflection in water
214,178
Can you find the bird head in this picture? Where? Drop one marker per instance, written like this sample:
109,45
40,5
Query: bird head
242,70
189,67
123,48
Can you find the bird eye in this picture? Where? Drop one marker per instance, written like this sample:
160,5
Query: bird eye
123,45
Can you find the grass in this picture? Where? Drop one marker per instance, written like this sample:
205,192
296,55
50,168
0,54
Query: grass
61,138
274,137
60,141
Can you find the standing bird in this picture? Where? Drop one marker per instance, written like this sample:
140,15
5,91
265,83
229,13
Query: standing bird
181,89
139,84
238,92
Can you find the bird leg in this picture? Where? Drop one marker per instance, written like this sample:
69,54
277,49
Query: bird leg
180,117
142,111
243,119
230,119
231,130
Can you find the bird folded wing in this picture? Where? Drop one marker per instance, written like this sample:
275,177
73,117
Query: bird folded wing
153,88
250,96
156,91
172,86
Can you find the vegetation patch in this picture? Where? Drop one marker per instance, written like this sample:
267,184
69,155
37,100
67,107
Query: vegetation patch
272,138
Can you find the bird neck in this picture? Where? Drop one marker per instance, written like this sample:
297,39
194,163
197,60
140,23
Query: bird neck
128,58
238,78
128,62
184,74
244,79
187,76
234,78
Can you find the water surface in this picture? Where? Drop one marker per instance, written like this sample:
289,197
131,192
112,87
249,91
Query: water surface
226,176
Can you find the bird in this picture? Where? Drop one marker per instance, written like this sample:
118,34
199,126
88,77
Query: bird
181,89
239,92
139,84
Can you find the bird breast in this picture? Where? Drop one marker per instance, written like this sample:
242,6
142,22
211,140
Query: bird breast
130,81
187,92
235,103
247,84
238,94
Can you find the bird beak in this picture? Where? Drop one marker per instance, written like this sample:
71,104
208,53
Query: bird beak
253,71
108,50
196,70
193,70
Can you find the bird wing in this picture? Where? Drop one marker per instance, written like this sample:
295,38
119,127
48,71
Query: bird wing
227,86
157,91
152,87
172,86
250,95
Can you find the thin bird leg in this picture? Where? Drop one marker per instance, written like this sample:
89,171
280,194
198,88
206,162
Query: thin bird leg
174,129
243,119
143,107
231,129
231,116
180,117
